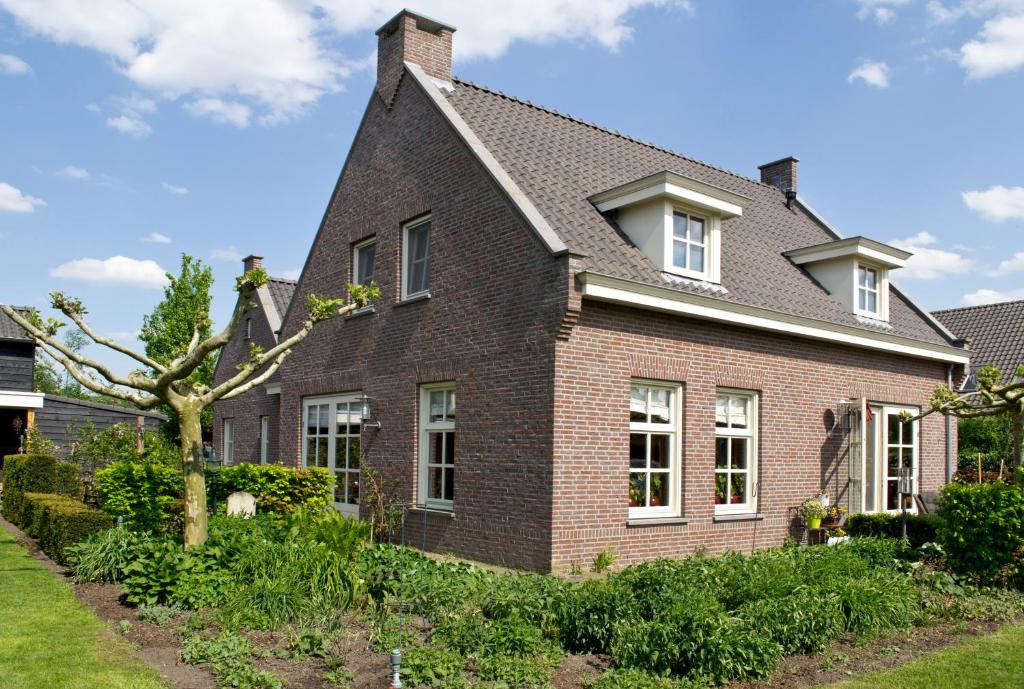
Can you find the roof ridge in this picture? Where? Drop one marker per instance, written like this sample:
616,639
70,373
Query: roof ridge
287,280
981,306
607,130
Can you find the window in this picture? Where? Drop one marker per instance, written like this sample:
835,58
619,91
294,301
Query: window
653,450
416,259
883,447
264,439
437,445
363,259
332,441
735,452
248,328
900,454
228,442
689,242
867,291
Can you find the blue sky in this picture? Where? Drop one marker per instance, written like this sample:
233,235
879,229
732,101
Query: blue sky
145,129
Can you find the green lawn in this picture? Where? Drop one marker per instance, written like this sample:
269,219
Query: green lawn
988,662
49,639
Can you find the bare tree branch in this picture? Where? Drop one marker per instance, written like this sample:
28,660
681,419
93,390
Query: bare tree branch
254,382
96,386
107,342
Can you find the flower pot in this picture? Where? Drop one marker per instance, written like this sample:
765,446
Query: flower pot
655,501
814,522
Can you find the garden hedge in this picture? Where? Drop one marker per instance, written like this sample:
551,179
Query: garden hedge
983,531
277,488
36,474
58,521
921,528
146,495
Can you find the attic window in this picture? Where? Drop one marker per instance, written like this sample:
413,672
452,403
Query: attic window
689,242
867,291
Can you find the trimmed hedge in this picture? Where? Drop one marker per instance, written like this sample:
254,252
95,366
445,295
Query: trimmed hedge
36,474
277,488
983,531
921,528
58,521
146,495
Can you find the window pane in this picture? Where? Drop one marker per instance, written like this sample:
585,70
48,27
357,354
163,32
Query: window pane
908,458
679,254
894,429
907,432
862,300
679,223
721,487
449,484
660,410
638,450
637,490
339,486
340,452
696,258
311,452
419,238
436,406
353,488
738,412
659,490
323,428
892,496
660,451
739,453
436,448
738,494
311,420
449,448
894,461
451,405
353,453
872,306
697,230
870,278
721,452
435,484
321,452
364,265
722,411
638,404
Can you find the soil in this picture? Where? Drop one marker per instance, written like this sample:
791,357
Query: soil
160,645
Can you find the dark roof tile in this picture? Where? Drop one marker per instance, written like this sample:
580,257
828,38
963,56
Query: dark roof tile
996,333
9,330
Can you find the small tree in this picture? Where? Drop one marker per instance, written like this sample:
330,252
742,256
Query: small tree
172,383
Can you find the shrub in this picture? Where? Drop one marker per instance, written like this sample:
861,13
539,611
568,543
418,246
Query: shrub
983,530
875,601
514,672
343,535
921,528
152,578
278,488
143,494
588,615
804,622
229,657
631,678
59,522
429,666
534,598
104,555
36,474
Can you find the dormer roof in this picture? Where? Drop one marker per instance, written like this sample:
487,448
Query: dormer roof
674,187
874,252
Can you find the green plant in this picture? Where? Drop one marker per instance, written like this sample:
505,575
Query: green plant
343,535
104,555
430,666
125,627
812,509
229,656
36,474
604,560
631,678
514,672
921,528
805,622
983,531
143,494
59,522
160,615
278,488
339,676
152,578
588,615
309,644
534,598
382,501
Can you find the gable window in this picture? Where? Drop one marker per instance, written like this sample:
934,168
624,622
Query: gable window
363,259
228,442
735,452
437,446
332,436
689,242
416,259
867,290
248,328
264,439
653,449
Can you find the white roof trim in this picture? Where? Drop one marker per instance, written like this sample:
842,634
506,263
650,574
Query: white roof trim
673,186
617,290
861,247
547,235
272,388
267,302
18,399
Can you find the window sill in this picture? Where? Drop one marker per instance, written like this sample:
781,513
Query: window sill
420,509
740,517
413,299
365,311
633,522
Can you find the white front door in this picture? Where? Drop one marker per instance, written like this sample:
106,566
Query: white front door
890,446
332,433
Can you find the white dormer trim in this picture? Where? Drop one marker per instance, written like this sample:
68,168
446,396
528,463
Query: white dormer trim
859,247
675,187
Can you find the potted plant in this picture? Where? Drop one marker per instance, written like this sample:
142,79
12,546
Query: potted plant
812,511
636,495
656,490
834,516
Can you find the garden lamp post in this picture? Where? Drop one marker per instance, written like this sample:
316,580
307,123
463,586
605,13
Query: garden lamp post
213,464
906,485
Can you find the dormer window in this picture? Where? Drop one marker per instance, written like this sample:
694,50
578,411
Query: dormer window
867,291
689,242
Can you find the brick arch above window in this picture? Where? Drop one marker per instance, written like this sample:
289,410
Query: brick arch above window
655,367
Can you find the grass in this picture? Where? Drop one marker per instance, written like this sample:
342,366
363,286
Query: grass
49,639
988,662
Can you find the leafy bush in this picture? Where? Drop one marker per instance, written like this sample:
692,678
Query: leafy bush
154,576
36,474
104,555
160,615
588,615
278,488
230,659
921,528
430,666
804,622
514,672
343,535
59,522
534,598
876,601
144,494
983,531
631,678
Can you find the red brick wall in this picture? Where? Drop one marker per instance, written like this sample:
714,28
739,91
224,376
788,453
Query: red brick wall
799,382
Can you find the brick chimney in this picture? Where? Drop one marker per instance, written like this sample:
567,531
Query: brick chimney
409,37
250,262
780,173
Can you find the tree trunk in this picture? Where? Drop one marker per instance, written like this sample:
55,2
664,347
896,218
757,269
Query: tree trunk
195,482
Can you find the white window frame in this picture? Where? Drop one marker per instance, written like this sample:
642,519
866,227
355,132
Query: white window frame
672,429
712,269
264,439
341,474
869,291
426,428
882,476
227,442
688,242
406,268
751,433
357,249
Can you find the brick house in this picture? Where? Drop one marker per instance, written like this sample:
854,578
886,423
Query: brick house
648,352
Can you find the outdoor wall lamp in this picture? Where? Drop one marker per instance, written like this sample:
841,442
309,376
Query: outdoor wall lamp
366,412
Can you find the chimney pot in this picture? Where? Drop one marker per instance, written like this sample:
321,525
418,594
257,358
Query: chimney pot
780,173
410,37
251,262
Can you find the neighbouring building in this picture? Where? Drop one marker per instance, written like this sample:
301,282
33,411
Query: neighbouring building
995,333
55,417
585,340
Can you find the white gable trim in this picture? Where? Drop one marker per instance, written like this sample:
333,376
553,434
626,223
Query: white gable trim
18,399
620,291
267,302
547,235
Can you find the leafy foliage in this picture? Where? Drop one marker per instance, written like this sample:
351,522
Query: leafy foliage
229,656
278,488
983,531
144,494
921,528
59,522
36,474
104,555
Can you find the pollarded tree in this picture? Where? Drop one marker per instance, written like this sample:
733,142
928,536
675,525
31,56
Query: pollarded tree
173,383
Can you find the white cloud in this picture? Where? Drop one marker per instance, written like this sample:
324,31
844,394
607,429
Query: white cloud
131,120
13,65
292,274
124,335
227,253
871,73
999,48
991,296
130,124
221,111
114,271
73,172
997,203
12,200
879,10
174,189
155,238
278,57
93,107
1015,264
928,262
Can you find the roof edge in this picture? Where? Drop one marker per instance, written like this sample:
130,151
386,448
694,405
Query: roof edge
980,306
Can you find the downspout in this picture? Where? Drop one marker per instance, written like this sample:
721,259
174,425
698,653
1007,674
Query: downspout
949,429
